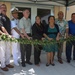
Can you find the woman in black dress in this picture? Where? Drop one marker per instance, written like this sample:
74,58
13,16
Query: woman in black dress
37,33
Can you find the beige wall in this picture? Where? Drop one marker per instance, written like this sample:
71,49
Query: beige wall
57,9
8,4
70,10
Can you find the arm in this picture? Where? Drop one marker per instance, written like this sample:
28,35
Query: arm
1,32
15,28
47,37
2,27
57,38
67,30
4,30
25,34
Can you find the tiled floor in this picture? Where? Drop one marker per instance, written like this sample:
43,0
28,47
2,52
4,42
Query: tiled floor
58,69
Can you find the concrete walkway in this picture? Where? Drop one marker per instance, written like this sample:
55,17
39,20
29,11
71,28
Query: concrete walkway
58,69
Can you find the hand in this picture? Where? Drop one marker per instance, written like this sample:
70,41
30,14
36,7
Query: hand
9,36
29,38
57,38
67,36
50,38
42,38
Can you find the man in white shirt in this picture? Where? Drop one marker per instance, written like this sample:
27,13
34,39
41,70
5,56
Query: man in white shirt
16,34
25,27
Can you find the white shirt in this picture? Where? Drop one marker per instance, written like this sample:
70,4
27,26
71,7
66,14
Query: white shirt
14,23
26,24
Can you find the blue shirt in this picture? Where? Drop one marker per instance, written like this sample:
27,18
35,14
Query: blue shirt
71,27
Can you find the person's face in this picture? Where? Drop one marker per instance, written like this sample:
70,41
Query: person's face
73,18
51,20
15,15
60,15
38,20
4,9
26,13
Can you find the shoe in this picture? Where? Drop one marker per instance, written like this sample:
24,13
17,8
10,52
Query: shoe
52,64
60,61
10,66
47,64
68,61
5,69
29,63
73,58
23,65
37,64
17,64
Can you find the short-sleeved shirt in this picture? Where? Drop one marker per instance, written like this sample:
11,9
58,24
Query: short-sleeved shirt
5,22
71,27
63,25
26,24
14,23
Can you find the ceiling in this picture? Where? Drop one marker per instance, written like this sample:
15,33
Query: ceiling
46,2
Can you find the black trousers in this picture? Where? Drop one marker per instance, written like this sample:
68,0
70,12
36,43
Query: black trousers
37,53
25,52
69,50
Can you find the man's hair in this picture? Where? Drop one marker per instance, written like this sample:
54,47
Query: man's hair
72,14
2,5
25,10
60,12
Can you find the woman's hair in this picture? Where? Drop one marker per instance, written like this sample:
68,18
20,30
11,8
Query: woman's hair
50,17
37,16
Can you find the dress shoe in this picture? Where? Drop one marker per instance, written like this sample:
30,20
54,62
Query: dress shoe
5,69
37,64
73,58
68,61
60,61
52,64
29,63
47,64
23,65
10,66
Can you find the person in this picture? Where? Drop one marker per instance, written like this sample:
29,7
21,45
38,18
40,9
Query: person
71,33
5,28
25,28
63,28
16,34
37,33
51,33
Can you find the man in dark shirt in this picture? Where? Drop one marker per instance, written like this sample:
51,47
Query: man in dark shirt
5,51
